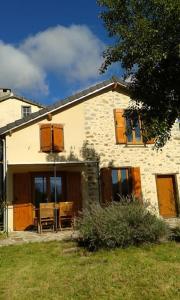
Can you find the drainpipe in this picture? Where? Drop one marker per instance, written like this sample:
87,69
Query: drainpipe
1,174
3,168
98,178
55,193
5,184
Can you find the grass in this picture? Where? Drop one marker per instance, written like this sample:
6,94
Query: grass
52,271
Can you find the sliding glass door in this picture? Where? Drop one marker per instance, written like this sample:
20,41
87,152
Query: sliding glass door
48,188
56,189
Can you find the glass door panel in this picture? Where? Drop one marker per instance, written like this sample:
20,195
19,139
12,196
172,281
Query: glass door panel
40,184
115,185
55,189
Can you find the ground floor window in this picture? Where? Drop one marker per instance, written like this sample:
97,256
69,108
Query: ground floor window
48,188
121,183
118,182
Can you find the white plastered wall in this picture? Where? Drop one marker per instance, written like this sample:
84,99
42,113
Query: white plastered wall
23,146
11,110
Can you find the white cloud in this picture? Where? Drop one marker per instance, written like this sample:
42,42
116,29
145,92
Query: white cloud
17,71
74,52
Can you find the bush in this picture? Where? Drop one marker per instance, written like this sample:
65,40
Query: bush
119,225
175,234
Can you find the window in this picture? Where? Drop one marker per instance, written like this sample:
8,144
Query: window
25,111
51,138
133,129
48,188
128,129
116,182
121,183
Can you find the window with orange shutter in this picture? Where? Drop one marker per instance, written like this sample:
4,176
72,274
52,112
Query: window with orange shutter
51,138
119,182
128,129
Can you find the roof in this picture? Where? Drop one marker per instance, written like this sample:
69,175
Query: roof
64,103
12,96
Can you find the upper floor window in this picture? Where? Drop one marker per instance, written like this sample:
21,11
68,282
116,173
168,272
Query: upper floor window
51,138
133,129
128,128
25,111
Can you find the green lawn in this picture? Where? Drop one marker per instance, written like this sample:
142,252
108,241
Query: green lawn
51,271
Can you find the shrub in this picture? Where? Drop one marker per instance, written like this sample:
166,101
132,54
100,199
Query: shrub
119,225
175,234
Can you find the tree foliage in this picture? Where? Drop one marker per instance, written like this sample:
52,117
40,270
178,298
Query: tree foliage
146,40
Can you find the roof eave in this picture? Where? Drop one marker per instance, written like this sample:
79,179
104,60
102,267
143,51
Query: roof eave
112,82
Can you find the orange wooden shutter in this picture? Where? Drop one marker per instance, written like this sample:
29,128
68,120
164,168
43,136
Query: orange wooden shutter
46,137
106,185
151,141
22,188
136,182
120,126
58,138
73,192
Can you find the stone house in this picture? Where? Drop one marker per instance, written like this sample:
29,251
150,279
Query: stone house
83,149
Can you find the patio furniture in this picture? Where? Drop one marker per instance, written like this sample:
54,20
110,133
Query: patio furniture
66,214
46,216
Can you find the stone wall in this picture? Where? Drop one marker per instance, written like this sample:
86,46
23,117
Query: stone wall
100,133
93,182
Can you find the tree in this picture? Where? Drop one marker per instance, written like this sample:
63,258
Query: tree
146,40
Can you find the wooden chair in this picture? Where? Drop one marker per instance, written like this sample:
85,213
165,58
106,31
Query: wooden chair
46,216
66,214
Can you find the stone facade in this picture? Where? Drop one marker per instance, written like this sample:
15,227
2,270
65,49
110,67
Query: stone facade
100,134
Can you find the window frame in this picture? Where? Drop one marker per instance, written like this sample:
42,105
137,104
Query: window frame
119,176
25,113
47,176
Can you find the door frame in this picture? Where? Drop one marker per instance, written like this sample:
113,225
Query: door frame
176,193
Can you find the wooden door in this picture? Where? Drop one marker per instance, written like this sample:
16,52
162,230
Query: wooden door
22,206
73,186
166,191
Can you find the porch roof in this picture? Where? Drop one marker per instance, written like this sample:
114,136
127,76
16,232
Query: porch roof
51,163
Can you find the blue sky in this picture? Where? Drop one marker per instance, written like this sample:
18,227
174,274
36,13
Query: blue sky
51,49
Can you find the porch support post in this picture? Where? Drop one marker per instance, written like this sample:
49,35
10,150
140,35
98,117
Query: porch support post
55,194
